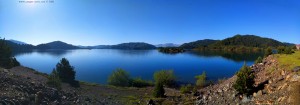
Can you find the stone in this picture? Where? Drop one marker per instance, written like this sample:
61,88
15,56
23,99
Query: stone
5,70
259,93
254,94
282,72
296,69
295,78
38,98
219,91
246,99
270,81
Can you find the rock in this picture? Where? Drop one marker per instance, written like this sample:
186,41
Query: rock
38,98
246,99
270,81
150,102
282,72
5,70
259,93
296,69
254,94
219,91
295,78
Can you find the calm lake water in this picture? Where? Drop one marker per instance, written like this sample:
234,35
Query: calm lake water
97,64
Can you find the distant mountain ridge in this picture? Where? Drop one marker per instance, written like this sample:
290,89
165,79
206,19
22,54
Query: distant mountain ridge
167,45
237,40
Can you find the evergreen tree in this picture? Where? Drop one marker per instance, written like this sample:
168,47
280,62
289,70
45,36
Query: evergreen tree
6,60
65,71
245,80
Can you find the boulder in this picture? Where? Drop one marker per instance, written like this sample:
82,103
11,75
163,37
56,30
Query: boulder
296,69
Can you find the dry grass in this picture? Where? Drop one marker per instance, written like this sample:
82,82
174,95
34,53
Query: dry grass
289,61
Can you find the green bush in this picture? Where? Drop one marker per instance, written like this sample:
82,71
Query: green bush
159,90
288,50
268,51
53,80
165,77
119,77
245,80
138,82
186,88
258,60
201,80
284,50
66,72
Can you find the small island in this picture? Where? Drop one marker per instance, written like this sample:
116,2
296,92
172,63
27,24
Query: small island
171,50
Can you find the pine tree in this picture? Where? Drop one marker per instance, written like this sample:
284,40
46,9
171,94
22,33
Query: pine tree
245,80
65,71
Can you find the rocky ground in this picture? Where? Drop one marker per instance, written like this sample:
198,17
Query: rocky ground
274,85
24,86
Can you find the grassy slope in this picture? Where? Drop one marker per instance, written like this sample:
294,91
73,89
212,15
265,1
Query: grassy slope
289,61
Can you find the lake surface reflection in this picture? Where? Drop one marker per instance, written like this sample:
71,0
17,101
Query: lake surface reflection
97,64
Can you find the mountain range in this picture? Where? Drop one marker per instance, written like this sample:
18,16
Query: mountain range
237,40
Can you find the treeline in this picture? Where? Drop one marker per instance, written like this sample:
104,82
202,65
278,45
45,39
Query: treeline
133,46
6,59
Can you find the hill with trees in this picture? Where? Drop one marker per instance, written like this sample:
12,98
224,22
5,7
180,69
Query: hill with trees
133,46
198,43
56,45
249,41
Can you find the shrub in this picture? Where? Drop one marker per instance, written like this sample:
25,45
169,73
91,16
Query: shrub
258,60
53,80
288,50
159,90
165,77
268,51
186,88
119,77
280,49
201,80
284,50
138,82
245,80
66,72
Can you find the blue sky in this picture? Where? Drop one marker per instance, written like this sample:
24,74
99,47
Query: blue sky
96,22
